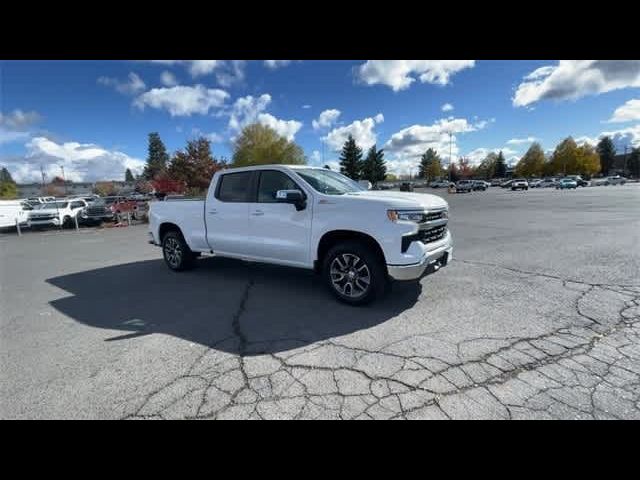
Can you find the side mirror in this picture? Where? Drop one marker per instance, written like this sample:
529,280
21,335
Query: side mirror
295,197
365,183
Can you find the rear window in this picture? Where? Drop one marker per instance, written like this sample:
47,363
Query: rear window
234,187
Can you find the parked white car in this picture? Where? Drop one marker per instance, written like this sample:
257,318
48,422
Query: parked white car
12,210
58,213
519,184
310,218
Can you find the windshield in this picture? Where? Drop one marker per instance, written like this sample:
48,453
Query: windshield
52,205
328,182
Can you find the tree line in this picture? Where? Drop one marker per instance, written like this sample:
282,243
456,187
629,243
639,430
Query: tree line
190,169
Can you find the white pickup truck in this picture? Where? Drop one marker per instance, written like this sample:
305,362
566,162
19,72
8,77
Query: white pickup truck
58,213
311,218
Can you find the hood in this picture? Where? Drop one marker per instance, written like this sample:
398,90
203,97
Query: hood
403,200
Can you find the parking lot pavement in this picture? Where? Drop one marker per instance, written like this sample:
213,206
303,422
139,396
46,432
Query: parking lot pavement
538,316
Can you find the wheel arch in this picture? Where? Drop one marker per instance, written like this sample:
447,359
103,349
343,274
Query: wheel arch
334,237
167,227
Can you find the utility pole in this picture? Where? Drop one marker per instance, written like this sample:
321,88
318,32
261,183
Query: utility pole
43,178
64,180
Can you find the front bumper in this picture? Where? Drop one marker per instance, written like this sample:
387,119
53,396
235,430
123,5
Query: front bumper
431,262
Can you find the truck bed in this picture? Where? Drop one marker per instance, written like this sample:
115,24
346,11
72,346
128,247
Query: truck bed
188,214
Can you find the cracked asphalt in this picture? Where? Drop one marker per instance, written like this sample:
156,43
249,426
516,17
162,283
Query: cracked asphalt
538,316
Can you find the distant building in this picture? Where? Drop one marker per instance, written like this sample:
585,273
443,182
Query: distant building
26,190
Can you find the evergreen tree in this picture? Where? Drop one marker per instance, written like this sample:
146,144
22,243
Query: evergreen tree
607,153
427,164
487,167
5,176
374,167
128,176
157,157
634,162
351,159
501,166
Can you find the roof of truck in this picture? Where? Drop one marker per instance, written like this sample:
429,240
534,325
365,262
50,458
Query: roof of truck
270,166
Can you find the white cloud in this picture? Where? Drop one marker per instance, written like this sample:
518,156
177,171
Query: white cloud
182,100
447,107
198,68
9,136
246,110
227,72
250,109
306,106
326,119
19,120
131,86
230,73
81,162
284,128
626,137
407,145
15,126
214,137
168,79
361,130
521,141
628,112
315,157
476,156
573,79
400,74
273,64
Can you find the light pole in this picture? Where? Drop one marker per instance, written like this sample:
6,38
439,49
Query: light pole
450,142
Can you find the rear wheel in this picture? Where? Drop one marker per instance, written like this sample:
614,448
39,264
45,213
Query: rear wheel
177,254
66,222
354,273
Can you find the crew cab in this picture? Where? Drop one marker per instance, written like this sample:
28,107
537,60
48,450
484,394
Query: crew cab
58,213
310,218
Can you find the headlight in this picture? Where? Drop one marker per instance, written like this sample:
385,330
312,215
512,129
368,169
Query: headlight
396,215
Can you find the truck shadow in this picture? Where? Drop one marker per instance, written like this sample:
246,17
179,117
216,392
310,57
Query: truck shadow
226,304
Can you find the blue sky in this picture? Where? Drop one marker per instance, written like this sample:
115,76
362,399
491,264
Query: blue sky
93,117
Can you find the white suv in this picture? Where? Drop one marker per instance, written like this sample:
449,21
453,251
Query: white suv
519,184
58,213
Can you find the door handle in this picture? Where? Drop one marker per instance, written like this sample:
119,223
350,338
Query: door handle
213,212
257,213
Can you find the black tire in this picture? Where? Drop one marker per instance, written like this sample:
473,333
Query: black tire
177,254
67,222
349,258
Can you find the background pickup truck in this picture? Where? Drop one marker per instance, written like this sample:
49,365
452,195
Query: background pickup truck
311,218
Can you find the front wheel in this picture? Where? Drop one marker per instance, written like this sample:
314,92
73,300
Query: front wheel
177,254
354,273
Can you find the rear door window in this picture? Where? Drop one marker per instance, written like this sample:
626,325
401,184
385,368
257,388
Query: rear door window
234,187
